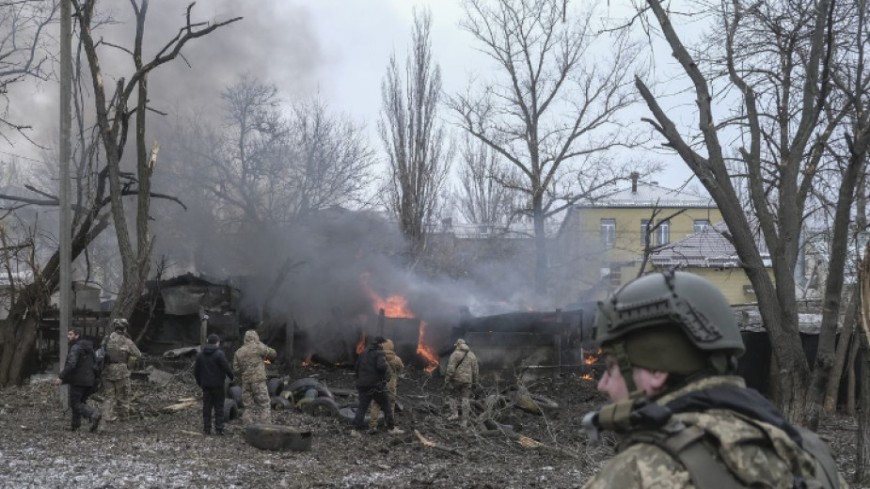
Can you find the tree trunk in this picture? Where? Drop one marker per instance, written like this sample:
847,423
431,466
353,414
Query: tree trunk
843,345
541,268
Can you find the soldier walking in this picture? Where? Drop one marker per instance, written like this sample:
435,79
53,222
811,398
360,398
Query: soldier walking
372,374
248,362
120,353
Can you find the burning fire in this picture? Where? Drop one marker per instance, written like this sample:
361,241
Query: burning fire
361,346
396,306
426,351
307,362
590,359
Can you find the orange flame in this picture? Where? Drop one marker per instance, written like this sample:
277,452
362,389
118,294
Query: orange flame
426,351
587,377
361,346
591,358
307,362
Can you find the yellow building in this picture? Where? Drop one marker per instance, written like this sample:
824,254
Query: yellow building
602,244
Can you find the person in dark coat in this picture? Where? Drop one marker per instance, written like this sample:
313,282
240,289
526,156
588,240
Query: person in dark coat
210,370
372,375
78,372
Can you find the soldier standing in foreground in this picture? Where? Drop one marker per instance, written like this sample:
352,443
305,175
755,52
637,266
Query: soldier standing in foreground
685,419
463,372
120,353
78,372
248,362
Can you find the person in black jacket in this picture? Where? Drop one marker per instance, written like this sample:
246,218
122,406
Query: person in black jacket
210,370
78,372
372,375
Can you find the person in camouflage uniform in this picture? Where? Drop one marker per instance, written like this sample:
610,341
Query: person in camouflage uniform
684,420
394,366
248,362
463,373
121,353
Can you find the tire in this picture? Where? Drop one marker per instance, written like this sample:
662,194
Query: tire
275,386
278,403
323,391
321,406
278,438
302,385
231,411
235,393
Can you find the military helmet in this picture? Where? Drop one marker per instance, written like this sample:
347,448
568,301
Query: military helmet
671,298
120,323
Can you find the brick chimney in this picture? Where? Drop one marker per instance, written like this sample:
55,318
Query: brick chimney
634,176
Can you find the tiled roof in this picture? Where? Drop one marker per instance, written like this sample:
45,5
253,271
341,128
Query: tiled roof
705,249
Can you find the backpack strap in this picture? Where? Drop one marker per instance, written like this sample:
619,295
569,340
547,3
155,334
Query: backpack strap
825,464
690,447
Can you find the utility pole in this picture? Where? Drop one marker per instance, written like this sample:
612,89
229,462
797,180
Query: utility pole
65,211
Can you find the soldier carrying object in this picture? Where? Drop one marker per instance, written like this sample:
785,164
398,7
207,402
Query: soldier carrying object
684,418
248,362
121,356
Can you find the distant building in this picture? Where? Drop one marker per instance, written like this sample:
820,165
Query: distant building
601,244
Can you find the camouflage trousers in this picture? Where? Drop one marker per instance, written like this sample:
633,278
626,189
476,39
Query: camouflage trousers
117,395
375,411
255,397
460,394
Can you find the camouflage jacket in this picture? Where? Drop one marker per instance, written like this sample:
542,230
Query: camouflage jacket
462,367
248,360
760,453
394,365
119,349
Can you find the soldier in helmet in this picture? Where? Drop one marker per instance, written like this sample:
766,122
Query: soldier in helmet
683,417
121,352
463,373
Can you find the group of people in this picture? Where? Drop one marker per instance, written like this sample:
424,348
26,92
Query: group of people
83,378
683,417
377,371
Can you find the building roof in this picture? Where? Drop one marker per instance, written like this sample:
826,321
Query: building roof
705,249
652,195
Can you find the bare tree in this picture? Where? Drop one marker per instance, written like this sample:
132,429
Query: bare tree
777,57
481,198
101,185
413,137
113,116
555,112
23,52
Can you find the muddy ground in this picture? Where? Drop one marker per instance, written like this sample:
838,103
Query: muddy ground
161,450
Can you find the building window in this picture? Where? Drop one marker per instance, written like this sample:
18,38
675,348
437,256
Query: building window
644,232
663,233
608,232
700,225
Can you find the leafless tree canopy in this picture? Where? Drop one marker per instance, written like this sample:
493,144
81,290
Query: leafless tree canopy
482,198
23,53
553,110
787,76
263,167
413,137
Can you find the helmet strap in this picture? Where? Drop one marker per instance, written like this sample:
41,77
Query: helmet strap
617,349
